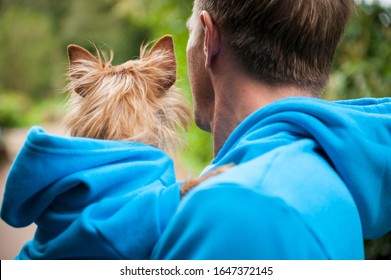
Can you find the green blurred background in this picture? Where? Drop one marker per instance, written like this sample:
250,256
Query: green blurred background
33,62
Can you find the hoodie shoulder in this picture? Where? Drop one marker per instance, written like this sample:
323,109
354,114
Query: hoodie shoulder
353,135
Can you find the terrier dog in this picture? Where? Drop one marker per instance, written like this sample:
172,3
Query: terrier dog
135,101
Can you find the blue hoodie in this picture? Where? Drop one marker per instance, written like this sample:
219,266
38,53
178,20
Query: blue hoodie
90,199
312,180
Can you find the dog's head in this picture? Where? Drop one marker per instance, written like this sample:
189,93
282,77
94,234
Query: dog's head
135,101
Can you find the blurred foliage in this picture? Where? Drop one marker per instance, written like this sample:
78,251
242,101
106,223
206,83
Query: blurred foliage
34,36
13,109
27,62
362,66
91,22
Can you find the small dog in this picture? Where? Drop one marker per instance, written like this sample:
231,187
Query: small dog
135,101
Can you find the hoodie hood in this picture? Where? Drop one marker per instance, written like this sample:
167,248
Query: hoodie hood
116,197
354,135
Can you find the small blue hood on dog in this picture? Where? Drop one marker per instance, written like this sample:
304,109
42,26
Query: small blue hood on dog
90,198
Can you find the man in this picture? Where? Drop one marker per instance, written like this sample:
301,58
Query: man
311,178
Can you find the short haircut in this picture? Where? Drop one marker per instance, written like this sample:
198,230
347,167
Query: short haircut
283,42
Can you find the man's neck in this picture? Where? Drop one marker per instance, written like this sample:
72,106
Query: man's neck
238,97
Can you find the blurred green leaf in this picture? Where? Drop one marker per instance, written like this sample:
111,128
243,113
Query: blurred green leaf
362,66
13,108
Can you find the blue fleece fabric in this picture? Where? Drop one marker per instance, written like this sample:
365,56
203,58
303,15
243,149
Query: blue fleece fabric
312,180
90,199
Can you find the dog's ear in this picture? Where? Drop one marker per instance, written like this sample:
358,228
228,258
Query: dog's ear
166,44
76,55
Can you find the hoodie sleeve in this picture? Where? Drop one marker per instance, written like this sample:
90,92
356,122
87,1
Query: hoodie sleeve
212,224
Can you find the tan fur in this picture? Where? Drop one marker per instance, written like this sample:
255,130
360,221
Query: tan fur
135,101
190,184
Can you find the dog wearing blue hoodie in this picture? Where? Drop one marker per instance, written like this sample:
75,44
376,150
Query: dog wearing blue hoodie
108,190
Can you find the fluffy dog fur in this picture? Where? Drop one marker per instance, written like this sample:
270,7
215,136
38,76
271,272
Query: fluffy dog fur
135,101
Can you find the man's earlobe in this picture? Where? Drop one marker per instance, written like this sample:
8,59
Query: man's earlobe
212,38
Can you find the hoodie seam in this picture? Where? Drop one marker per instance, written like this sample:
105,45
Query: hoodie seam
278,199
292,209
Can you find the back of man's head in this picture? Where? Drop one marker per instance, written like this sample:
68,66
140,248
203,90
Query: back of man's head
283,42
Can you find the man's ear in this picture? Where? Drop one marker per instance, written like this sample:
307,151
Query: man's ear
166,44
212,38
